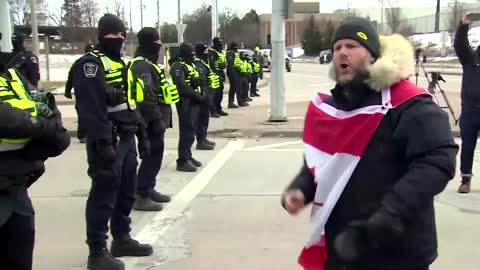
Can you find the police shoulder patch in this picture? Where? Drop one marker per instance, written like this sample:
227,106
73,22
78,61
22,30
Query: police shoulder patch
34,59
147,78
90,69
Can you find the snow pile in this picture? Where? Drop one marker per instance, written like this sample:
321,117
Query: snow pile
433,40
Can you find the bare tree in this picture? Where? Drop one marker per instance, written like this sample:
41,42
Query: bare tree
54,13
19,10
456,13
394,18
90,10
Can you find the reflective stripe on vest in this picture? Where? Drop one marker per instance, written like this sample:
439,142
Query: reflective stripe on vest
115,76
192,73
168,93
12,91
221,59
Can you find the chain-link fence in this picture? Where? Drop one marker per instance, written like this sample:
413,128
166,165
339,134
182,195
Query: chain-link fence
426,24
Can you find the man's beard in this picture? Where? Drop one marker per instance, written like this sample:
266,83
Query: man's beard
360,71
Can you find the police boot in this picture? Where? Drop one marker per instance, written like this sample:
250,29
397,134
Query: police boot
186,167
248,99
196,162
159,197
215,115
146,204
232,106
103,260
207,141
465,185
222,113
130,247
202,145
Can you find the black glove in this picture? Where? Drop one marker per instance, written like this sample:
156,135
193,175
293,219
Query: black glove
144,148
105,154
43,110
380,230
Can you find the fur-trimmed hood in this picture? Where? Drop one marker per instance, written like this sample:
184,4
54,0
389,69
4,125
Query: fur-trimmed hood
396,62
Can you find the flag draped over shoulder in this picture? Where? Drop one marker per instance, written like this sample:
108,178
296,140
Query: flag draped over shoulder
334,142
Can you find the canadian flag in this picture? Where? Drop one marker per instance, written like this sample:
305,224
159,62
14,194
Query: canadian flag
334,142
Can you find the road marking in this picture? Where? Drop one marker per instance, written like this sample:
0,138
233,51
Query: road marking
177,207
295,117
274,145
271,150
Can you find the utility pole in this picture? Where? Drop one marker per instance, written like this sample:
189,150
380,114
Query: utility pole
217,19
277,83
131,31
214,12
179,25
159,27
141,14
33,17
437,17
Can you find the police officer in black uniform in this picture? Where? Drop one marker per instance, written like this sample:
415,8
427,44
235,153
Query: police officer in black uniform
206,76
106,95
234,77
30,132
157,113
24,61
68,94
185,76
218,63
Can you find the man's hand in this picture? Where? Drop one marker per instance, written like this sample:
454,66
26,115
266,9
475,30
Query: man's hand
43,110
293,201
466,19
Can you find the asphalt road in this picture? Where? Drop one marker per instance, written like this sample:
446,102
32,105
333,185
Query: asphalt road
228,215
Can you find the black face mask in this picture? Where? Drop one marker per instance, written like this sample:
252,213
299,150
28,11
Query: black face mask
188,57
111,46
151,51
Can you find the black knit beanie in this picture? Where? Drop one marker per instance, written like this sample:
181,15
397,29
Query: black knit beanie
147,36
109,24
360,30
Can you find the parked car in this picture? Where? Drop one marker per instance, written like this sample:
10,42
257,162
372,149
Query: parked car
267,55
325,56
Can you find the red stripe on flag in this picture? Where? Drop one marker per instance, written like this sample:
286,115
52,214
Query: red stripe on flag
404,91
333,135
318,204
314,257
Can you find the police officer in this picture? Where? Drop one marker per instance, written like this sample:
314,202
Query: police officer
217,62
245,76
210,85
106,94
185,76
255,66
68,94
234,65
30,133
260,60
24,61
157,113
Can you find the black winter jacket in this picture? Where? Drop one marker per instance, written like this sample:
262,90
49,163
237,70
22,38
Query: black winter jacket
410,159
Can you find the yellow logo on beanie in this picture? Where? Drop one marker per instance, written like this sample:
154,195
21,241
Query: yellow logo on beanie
362,35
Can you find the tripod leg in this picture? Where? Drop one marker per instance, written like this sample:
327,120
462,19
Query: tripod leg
448,104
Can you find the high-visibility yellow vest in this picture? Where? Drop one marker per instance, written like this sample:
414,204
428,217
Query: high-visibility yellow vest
192,73
115,76
13,91
256,67
221,60
249,67
168,93
213,79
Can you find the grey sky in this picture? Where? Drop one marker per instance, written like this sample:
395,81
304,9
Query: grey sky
168,8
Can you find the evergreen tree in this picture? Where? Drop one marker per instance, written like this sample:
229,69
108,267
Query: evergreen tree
73,13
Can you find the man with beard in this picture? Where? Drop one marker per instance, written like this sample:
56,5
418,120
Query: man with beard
470,96
156,111
107,94
372,166
217,62
187,79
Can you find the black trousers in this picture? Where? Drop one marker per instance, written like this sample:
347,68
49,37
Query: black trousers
112,194
217,98
187,119
253,84
81,133
469,129
234,78
202,123
150,165
244,86
17,241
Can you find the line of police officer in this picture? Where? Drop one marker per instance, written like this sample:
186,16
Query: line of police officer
123,106
31,131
